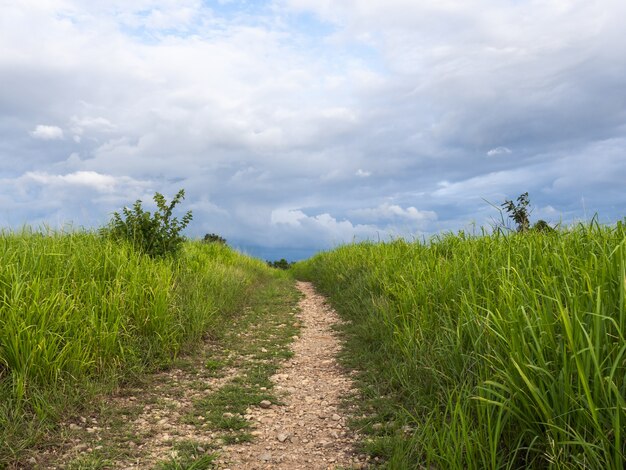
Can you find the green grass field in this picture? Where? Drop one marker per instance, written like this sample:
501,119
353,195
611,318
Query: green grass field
487,352
502,351
80,314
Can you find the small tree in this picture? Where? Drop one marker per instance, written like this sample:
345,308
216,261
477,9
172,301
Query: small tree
519,212
155,234
543,226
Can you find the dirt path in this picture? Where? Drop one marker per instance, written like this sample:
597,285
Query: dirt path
309,430
266,396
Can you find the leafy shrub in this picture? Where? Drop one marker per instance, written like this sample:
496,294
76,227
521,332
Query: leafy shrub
213,238
157,234
543,226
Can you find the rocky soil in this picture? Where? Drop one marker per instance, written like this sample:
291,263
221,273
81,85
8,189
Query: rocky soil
308,431
269,395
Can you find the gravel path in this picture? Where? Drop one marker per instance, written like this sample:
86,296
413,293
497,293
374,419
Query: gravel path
308,430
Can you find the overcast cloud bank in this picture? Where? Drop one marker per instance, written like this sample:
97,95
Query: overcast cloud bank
295,125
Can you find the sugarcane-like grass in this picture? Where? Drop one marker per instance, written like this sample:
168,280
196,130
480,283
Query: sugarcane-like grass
497,351
80,314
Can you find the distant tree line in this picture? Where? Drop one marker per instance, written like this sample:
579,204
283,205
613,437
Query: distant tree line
280,264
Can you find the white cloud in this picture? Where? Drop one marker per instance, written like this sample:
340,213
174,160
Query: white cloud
90,179
80,124
292,227
363,173
47,132
329,230
80,198
287,217
488,185
499,151
388,211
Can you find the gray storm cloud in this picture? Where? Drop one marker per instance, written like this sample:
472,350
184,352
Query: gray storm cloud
303,124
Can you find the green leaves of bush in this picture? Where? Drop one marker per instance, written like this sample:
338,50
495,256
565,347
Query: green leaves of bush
157,234
214,238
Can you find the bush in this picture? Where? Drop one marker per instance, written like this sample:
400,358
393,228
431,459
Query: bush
157,234
214,238
543,226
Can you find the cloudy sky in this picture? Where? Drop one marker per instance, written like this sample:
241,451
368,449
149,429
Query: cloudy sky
296,125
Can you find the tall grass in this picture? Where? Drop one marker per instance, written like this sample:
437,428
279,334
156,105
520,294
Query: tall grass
79,313
501,351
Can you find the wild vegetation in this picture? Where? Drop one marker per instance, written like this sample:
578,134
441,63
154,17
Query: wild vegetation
157,234
519,212
81,313
498,351
213,238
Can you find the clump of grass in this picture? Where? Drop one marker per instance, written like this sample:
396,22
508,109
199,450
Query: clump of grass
190,455
80,313
502,351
